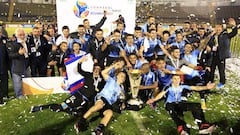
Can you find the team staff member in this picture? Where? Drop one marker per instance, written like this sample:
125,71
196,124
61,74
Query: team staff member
4,63
91,29
18,53
220,44
39,50
94,47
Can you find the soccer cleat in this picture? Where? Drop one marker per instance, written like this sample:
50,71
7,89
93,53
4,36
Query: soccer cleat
35,109
182,131
76,128
220,86
2,103
206,129
81,126
98,131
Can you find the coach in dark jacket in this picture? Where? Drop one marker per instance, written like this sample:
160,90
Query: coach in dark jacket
220,44
4,64
39,50
94,47
90,30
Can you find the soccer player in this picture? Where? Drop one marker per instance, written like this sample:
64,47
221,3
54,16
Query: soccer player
130,46
104,100
77,104
148,83
175,106
136,61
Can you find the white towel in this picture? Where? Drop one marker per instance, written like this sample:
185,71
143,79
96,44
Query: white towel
146,44
87,65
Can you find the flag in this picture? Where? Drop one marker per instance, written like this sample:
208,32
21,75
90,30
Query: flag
73,81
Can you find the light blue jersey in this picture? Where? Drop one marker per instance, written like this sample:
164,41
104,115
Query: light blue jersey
83,45
180,46
148,79
192,58
165,79
152,47
111,91
139,64
175,94
138,42
115,48
130,49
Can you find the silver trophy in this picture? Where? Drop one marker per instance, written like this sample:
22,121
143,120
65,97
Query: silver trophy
135,80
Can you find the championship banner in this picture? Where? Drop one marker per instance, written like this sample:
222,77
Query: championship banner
43,85
73,12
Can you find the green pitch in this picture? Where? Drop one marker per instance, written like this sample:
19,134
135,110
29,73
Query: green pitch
223,109
11,31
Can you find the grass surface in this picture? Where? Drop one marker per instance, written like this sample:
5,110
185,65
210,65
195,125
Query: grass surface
11,31
223,109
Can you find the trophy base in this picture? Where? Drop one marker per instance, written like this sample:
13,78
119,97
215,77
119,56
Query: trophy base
135,104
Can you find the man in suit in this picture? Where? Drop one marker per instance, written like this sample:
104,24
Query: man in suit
39,50
18,53
4,62
220,44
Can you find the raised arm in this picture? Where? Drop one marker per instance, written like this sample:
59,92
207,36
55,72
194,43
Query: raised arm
13,52
80,70
106,43
234,32
200,88
204,42
105,72
159,96
102,21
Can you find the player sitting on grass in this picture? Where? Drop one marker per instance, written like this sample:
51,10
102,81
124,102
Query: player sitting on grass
77,104
175,106
104,100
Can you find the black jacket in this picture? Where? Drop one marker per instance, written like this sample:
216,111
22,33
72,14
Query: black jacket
88,89
44,49
18,62
94,48
224,40
4,60
93,28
